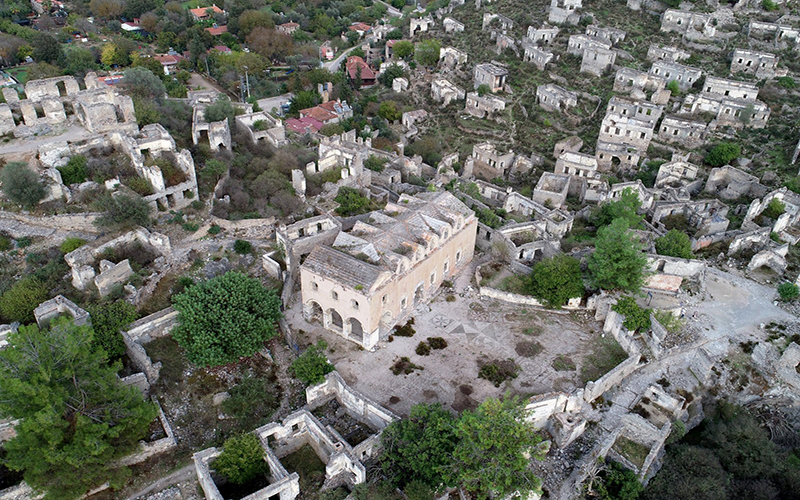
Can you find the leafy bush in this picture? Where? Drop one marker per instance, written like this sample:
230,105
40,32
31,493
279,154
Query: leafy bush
107,321
18,302
769,5
252,402
786,82
75,171
672,323
618,483
674,87
723,153
788,291
674,244
71,244
618,261
242,247
5,243
404,366
636,318
123,211
225,318
423,349
499,371
375,163
214,229
312,366
406,330
351,202
140,186
190,226
774,209
437,343
21,184
556,280
241,460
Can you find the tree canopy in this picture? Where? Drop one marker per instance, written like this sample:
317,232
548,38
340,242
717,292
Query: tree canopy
242,459
618,261
225,318
76,419
312,366
556,280
21,184
351,202
124,210
723,153
626,208
426,52
674,244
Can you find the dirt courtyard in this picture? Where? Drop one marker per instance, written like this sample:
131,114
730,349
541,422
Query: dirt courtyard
551,349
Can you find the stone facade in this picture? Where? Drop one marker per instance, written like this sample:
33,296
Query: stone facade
579,167
626,131
676,173
692,25
373,276
484,106
491,75
760,64
685,76
664,53
578,44
565,11
611,35
554,98
552,189
781,35
452,26
535,55
446,92
451,57
596,60
262,127
730,183
688,133
487,160
543,35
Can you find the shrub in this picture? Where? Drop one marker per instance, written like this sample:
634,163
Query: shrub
423,349
107,321
774,209
5,243
769,5
556,280
123,211
351,202
636,317
214,229
140,186
252,401
19,301
75,171
674,244
786,82
21,184
241,460
677,432
406,330
242,247
312,366
71,244
674,87
437,342
788,291
375,163
723,153
225,318
190,226
499,371
404,366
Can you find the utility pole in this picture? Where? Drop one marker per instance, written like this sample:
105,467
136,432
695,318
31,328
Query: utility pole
247,81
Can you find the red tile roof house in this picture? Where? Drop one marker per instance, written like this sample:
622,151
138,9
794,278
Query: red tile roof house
202,13
360,28
287,28
356,65
305,125
220,48
168,62
217,30
328,112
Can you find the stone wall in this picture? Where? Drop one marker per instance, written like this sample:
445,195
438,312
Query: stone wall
59,304
355,403
158,324
613,378
151,449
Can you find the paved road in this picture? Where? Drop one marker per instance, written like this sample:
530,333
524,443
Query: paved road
274,102
333,66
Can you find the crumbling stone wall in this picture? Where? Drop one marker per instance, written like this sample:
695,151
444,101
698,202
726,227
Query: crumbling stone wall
59,304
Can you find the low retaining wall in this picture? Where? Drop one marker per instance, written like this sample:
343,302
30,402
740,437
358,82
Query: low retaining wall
157,325
156,447
356,404
614,377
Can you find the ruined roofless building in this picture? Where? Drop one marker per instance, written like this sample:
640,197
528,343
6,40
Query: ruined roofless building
373,276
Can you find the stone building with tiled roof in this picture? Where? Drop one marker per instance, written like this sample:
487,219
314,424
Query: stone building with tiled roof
373,276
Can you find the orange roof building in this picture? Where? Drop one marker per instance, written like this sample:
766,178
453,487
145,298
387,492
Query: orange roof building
201,13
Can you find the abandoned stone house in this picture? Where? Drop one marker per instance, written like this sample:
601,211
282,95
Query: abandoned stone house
503,42
409,120
484,106
730,88
543,35
564,11
420,24
572,143
664,53
451,57
399,84
490,18
446,92
347,153
596,60
552,189
730,183
218,134
676,173
625,132
688,133
611,35
452,26
686,76
580,167
552,97
486,160
639,83
645,195
780,35
373,276
491,75
577,44
692,25
261,126
761,64
706,216
535,55
734,103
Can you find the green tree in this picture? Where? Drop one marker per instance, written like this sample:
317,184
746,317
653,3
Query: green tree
775,208
618,261
484,89
78,60
619,483
76,419
75,171
107,321
225,318
124,210
389,111
312,366
403,49
723,153
419,447
674,244
556,280
490,458
46,48
242,459
19,301
142,83
70,244
392,72
636,318
351,202
426,52
222,109
674,87
303,100
626,207
21,184
788,291
689,472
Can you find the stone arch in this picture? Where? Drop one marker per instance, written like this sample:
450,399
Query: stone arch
313,311
356,329
336,322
